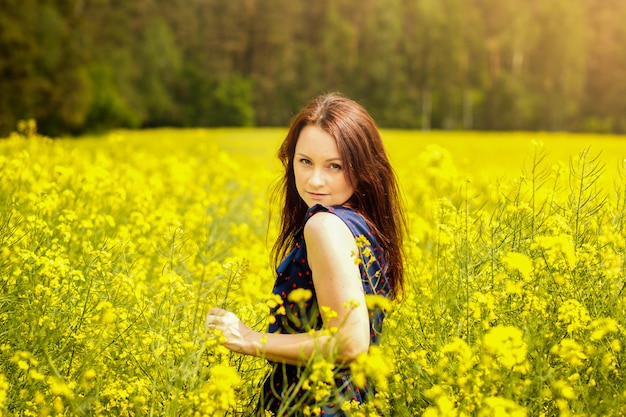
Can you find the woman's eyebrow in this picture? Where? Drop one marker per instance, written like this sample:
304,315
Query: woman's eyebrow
328,160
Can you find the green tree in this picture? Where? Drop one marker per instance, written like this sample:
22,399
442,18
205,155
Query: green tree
81,65
41,68
506,36
557,62
232,103
603,106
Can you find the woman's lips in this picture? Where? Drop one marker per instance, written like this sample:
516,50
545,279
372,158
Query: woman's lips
317,196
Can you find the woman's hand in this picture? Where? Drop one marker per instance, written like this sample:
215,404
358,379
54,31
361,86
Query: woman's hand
239,337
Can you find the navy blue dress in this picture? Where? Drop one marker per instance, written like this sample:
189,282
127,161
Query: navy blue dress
283,386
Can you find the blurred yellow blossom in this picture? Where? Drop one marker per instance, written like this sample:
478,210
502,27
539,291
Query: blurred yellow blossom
507,345
564,389
4,388
519,262
444,407
559,249
609,361
222,394
616,345
570,351
300,295
61,388
573,315
321,379
273,301
465,354
501,407
372,365
375,301
601,327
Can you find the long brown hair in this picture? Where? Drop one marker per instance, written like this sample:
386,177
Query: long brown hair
376,192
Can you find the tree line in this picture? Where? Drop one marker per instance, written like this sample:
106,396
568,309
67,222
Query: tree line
91,65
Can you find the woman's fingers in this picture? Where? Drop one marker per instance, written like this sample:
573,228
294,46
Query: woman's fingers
233,333
225,321
213,319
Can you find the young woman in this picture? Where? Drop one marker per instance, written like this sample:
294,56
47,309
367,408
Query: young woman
340,200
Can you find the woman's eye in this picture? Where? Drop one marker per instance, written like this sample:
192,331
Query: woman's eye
305,161
335,166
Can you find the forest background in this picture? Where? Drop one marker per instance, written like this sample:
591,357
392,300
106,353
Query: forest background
78,66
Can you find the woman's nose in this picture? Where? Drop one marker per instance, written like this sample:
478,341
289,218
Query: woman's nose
317,178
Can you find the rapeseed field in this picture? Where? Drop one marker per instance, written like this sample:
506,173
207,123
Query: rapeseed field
114,248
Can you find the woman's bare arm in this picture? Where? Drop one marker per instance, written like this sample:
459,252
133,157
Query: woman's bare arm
331,251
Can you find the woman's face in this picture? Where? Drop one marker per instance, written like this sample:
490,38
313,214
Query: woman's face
318,169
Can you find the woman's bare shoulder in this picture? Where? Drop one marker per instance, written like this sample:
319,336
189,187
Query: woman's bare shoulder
325,225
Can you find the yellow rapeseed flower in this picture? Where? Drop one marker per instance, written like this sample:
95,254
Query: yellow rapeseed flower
4,389
58,405
519,262
507,344
375,301
444,407
300,295
221,386
60,388
570,351
465,354
564,389
616,345
601,327
273,301
89,374
559,250
501,407
573,315
609,361
36,375
320,379
372,365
